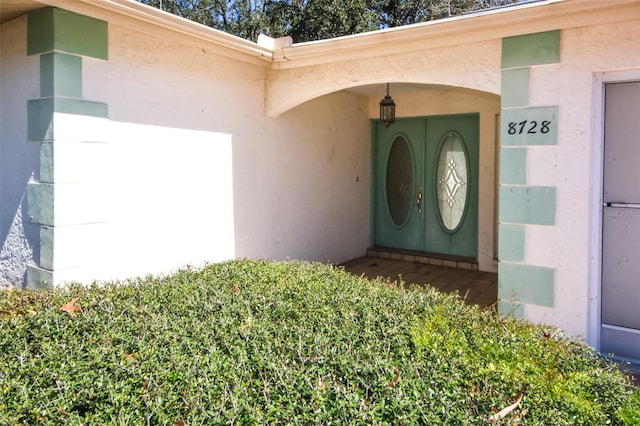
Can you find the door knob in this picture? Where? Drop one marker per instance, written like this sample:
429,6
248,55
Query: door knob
418,201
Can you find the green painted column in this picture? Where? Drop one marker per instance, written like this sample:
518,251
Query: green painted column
521,206
64,200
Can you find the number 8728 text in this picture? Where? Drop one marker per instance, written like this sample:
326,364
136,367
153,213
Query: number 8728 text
528,127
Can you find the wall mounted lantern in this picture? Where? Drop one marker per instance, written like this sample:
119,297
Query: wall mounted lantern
387,109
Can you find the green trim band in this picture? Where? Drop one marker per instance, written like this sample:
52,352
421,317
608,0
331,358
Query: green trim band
531,49
511,243
514,88
60,75
62,38
41,198
47,239
39,278
511,308
535,205
40,114
526,283
50,29
513,166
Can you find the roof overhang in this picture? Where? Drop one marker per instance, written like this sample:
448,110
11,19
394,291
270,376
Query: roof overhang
477,27
138,16
487,25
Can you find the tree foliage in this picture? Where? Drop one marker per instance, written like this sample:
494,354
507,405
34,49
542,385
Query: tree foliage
307,20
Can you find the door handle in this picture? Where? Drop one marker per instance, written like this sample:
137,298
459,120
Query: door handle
418,201
622,205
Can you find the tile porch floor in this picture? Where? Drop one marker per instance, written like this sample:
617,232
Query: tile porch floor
477,288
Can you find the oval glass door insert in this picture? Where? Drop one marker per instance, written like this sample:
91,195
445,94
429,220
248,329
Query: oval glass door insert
451,186
399,181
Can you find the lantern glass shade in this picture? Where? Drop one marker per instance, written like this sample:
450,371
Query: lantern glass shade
387,109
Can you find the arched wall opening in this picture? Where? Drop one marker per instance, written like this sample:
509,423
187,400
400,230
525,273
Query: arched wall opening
427,100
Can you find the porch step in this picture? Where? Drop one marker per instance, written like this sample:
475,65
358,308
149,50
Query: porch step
466,264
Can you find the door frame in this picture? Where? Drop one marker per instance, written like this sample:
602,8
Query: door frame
594,308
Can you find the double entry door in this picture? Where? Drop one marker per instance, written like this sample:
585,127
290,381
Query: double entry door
620,331
426,185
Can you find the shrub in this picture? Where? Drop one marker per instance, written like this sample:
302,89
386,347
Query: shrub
258,342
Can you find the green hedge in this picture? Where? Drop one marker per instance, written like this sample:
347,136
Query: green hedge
258,342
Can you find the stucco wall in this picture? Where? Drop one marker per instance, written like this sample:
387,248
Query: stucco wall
303,185
198,173
467,65
19,159
434,100
566,165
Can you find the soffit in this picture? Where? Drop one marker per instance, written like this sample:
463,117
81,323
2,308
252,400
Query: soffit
11,9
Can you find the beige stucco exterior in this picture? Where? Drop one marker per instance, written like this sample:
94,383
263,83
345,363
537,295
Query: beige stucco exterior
216,148
18,78
594,38
586,51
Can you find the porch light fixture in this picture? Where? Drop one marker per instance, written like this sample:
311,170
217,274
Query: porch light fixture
387,109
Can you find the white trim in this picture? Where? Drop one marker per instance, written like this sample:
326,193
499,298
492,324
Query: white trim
600,80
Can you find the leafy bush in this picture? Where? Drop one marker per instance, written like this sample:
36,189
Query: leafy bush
258,342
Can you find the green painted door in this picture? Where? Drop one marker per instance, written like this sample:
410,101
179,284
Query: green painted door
426,185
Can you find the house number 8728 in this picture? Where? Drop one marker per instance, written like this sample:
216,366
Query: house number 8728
529,127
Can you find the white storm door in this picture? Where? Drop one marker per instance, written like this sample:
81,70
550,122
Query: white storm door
620,331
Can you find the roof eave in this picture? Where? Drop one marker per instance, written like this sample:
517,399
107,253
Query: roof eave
128,11
488,25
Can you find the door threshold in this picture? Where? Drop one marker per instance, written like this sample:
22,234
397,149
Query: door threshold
436,259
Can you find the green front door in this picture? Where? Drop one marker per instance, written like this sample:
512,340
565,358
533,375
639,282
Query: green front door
426,185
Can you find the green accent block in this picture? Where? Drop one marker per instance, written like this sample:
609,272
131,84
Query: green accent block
511,243
60,75
40,114
515,88
47,159
39,278
40,198
513,166
51,29
528,205
40,30
526,283
511,309
40,119
47,238
529,126
531,49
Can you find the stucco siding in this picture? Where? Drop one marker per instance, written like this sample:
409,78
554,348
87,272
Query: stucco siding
161,143
19,158
565,247
470,66
311,172
197,173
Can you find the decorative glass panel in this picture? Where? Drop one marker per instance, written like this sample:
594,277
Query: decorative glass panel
399,179
451,185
